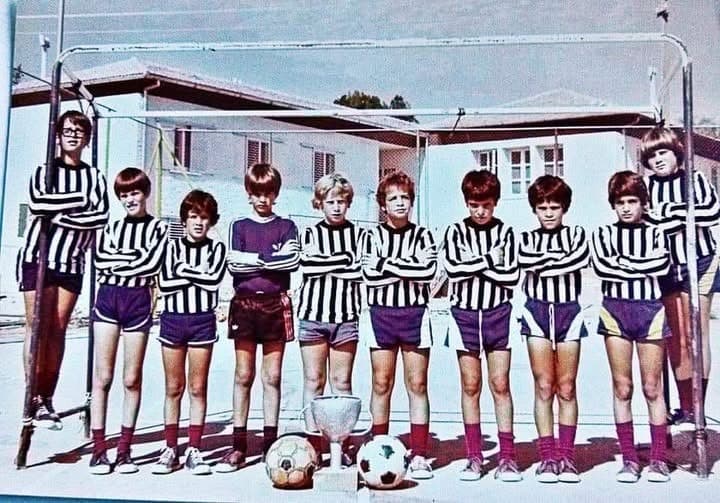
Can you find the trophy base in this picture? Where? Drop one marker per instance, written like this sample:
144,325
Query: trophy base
344,480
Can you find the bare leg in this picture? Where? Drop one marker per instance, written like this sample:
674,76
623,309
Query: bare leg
651,356
568,358
244,377
415,367
198,368
134,345
498,363
383,363
174,365
342,359
56,341
542,363
106,336
314,358
619,353
471,386
271,377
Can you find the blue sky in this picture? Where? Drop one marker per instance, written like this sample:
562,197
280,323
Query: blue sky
465,77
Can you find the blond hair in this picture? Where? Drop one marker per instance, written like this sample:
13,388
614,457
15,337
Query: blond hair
332,182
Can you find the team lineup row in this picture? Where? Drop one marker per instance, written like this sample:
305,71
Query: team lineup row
640,260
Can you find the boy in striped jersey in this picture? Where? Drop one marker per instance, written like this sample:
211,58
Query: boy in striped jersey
264,251
630,256
399,262
129,254
482,267
329,303
190,277
552,257
662,153
76,207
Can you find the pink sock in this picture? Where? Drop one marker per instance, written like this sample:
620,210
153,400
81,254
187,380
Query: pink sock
419,438
566,441
507,445
99,443
126,434
195,432
473,440
626,439
658,442
546,447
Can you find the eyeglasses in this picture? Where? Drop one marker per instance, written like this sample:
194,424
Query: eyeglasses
70,133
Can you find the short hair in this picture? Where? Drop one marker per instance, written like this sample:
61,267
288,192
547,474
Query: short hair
550,188
661,138
201,202
480,184
75,117
130,179
396,178
627,183
332,182
262,178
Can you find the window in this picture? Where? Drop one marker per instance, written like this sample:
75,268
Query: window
323,164
175,227
183,145
520,170
257,151
23,212
486,159
549,162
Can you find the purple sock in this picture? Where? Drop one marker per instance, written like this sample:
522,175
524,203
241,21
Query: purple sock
507,445
546,447
626,438
473,440
566,441
658,442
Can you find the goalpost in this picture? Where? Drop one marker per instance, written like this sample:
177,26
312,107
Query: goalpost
519,40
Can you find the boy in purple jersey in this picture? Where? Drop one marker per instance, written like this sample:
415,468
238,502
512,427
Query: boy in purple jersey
264,251
129,254
482,267
552,257
630,256
76,208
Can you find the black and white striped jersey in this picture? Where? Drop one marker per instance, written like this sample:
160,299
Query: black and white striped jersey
481,263
78,206
401,270
191,274
129,251
331,272
669,204
553,261
629,259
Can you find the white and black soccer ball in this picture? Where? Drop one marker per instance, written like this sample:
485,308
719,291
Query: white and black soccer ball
291,462
383,462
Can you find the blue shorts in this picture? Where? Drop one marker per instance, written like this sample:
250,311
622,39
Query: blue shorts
335,334
634,320
65,280
556,321
196,329
480,330
400,326
677,279
128,308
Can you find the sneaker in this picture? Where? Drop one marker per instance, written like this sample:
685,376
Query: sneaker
346,460
658,471
45,415
125,464
508,471
99,464
547,472
231,462
680,416
568,472
195,462
167,463
629,473
473,470
420,468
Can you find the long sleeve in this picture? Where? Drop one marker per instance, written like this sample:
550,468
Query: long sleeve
168,280
150,257
505,270
605,258
460,262
95,216
44,202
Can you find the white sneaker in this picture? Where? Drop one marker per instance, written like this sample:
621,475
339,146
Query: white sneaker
473,470
508,471
167,463
195,462
420,468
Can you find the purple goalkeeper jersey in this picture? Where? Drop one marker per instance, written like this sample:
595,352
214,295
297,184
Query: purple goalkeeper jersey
264,238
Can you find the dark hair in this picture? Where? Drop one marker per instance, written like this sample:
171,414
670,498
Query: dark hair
661,138
627,183
130,179
396,178
262,178
478,185
201,202
550,188
77,118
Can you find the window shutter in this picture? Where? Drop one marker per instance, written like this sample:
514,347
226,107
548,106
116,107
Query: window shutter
176,229
253,153
318,166
183,146
329,163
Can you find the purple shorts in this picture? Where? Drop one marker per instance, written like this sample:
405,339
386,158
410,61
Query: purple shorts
67,281
261,318
400,326
634,320
481,330
128,308
677,279
556,321
335,334
196,329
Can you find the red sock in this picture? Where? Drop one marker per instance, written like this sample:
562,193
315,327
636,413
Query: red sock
195,432
658,442
317,442
380,429
419,438
240,438
507,445
626,439
126,435
269,436
566,441
473,440
545,447
99,444
684,387
171,435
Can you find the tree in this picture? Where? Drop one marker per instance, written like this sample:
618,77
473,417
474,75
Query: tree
363,101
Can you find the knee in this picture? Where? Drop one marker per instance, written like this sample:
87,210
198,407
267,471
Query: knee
197,390
244,377
545,389
272,378
566,390
471,387
623,389
133,382
103,381
341,384
417,384
315,381
382,385
174,390
500,386
651,389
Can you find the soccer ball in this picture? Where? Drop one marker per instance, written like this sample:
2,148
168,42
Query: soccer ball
383,461
290,462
